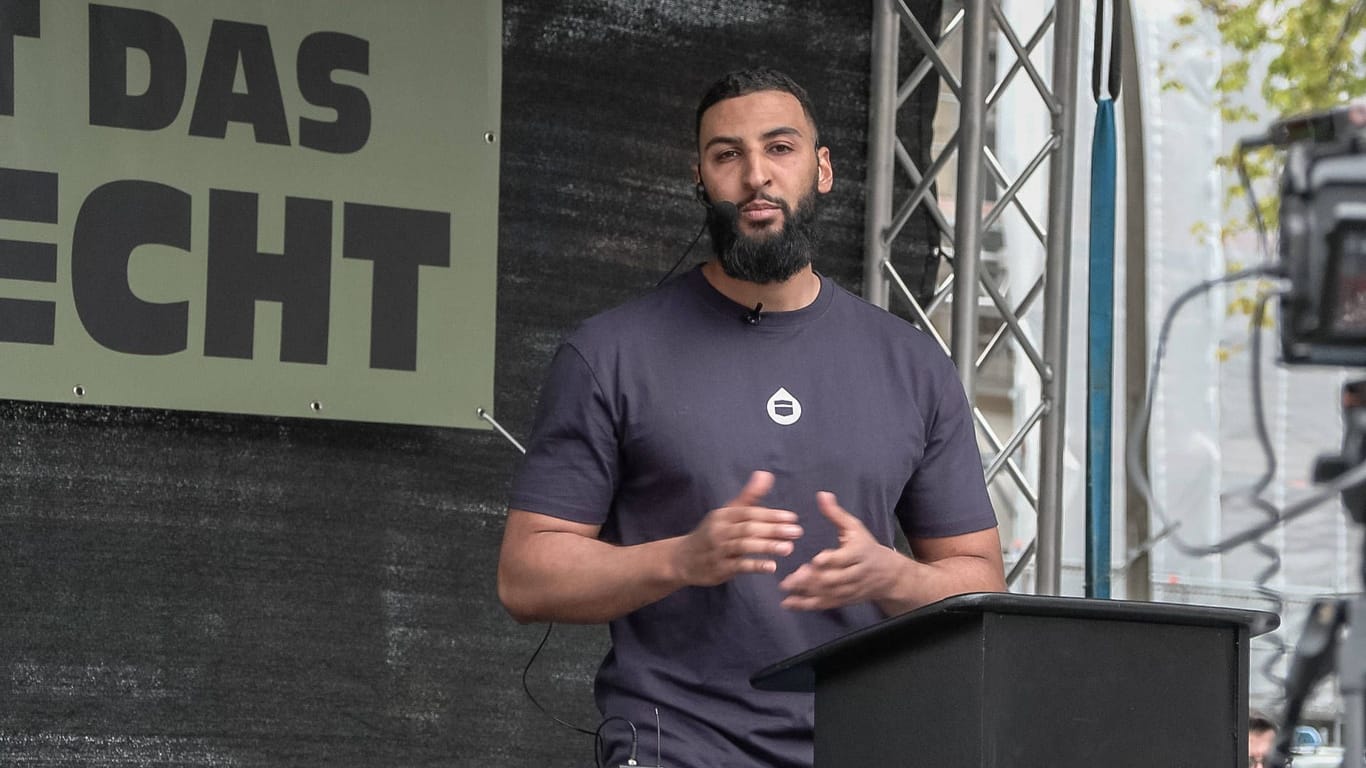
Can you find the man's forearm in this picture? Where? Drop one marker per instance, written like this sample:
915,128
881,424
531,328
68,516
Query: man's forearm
552,569
920,583
565,577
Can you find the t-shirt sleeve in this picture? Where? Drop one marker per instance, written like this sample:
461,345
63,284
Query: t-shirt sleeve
947,493
570,470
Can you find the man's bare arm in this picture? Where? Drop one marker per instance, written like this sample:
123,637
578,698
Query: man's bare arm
862,569
952,565
557,570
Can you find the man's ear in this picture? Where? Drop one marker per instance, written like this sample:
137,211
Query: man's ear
700,189
825,172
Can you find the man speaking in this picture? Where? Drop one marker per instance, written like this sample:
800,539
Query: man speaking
717,467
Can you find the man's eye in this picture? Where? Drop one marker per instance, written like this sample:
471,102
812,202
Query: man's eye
780,149
727,154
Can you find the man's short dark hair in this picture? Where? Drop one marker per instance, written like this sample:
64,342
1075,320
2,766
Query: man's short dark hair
742,82
1259,723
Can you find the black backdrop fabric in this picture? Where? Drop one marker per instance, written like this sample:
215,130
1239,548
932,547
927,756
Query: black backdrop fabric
214,590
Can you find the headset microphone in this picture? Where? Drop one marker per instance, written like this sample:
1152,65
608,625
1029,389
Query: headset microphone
725,210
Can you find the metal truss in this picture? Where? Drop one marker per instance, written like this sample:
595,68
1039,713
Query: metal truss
967,283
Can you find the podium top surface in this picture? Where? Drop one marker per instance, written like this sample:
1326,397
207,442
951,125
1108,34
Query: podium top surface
798,673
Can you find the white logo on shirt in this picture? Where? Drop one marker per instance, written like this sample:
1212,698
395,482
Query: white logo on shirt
783,408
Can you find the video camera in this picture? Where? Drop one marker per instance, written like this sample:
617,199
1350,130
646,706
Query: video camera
1322,244
1322,253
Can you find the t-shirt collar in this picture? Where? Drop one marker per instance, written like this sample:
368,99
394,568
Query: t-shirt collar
718,301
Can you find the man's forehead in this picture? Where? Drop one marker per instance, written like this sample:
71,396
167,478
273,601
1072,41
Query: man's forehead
755,114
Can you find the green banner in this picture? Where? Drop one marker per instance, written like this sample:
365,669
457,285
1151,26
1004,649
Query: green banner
251,206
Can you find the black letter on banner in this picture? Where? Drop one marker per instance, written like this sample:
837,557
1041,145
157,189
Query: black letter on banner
239,276
216,104
17,17
114,220
112,32
28,196
320,54
398,240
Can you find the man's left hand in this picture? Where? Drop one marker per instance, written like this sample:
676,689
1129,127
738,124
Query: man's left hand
858,570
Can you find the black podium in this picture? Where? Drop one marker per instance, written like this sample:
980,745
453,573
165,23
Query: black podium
1022,681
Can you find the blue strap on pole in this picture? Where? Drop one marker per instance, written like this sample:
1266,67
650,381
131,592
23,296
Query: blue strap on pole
1100,359
1100,327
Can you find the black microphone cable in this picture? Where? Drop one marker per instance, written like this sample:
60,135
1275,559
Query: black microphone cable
549,627
526,688
600,744
686,251
725,210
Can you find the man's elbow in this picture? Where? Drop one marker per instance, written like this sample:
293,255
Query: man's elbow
991,572
997,583
979,573
995,577
516,600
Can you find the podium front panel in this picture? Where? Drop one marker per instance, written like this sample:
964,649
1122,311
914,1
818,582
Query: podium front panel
891,708
1013,690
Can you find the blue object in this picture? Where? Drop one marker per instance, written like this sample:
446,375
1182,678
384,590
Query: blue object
1100,330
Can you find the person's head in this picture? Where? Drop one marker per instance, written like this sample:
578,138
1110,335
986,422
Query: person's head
1261,739
758,149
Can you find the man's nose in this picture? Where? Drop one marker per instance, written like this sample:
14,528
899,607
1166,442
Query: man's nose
757,172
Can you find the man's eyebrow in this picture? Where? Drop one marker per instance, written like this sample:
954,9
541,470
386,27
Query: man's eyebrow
782,130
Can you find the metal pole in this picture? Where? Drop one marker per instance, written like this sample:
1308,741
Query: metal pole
1351,663
1138,577
881,136
1056,292
968,209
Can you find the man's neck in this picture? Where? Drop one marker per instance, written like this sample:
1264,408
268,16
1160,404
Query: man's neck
793,293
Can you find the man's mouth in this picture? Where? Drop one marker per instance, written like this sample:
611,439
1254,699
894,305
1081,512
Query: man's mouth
760,211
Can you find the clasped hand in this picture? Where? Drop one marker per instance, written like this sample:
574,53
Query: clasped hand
744,537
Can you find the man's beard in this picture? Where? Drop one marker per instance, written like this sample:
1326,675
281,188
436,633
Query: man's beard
770,259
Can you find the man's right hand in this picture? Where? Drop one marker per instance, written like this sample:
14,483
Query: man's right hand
739,537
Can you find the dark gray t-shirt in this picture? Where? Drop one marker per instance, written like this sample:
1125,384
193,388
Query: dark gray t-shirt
659,410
